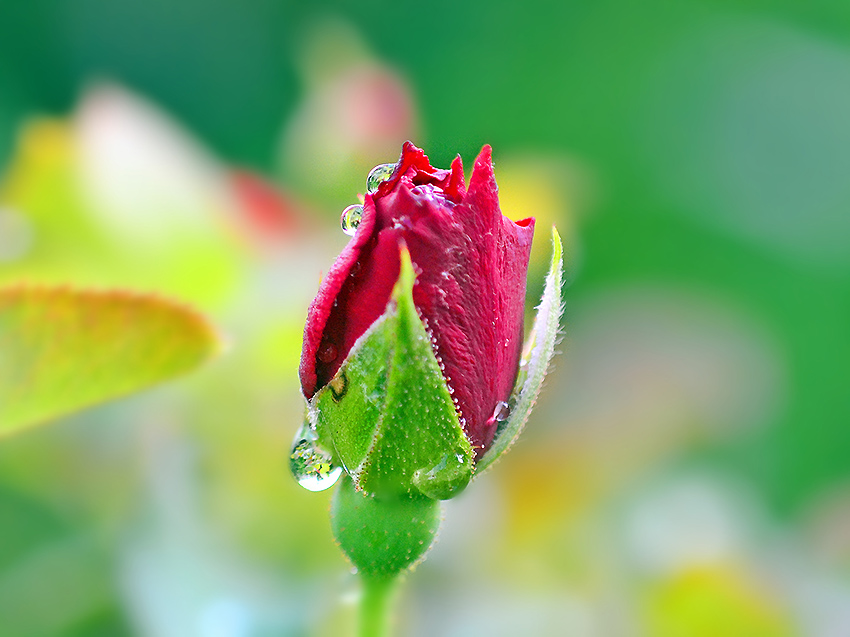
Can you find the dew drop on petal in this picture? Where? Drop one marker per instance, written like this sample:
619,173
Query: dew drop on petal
377,176
350,218
327,352
501,412
311,466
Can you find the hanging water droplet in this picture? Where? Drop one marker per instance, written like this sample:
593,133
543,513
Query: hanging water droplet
377,176
445,479
350,218
312,466
501,412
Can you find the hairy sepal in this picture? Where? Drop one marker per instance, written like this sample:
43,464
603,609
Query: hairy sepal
388,414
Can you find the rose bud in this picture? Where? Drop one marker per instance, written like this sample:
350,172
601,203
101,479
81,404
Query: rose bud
407,384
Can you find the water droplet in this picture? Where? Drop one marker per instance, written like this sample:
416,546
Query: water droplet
378,175
351,218
501,412
312,466
327,352
446,479
356,269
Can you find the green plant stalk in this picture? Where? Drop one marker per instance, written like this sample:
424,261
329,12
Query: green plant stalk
376,605
383,537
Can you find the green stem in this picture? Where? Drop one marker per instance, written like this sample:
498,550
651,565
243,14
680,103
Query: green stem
376,605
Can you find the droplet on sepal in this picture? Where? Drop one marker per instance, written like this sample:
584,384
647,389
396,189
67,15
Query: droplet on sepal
351,218
311,466
377,176
445,480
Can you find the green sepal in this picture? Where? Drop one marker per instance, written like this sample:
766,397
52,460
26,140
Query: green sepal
388,415
537,353
383,536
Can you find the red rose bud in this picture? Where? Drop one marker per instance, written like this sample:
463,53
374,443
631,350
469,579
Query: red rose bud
470,262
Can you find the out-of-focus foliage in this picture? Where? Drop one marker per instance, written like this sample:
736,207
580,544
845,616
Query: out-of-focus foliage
64,349
686,469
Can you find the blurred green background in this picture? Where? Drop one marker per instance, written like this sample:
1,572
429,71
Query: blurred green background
686,472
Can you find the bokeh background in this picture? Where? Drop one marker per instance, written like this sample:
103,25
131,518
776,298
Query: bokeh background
687,471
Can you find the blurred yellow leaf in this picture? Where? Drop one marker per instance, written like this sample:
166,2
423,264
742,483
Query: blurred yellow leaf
61,349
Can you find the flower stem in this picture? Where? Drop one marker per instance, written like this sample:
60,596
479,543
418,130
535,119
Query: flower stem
376,605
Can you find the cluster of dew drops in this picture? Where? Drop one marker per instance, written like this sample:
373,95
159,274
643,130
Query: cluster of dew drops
311,464
353,214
